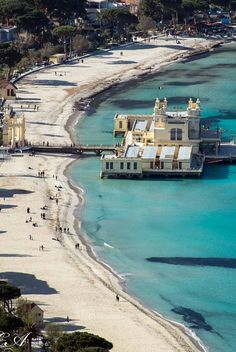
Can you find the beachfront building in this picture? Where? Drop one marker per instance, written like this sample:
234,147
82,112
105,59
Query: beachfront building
34,313
13,130
7,90
164,143
94,7
57,58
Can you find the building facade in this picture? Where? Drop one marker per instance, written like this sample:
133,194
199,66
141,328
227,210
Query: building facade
13,130
7,90
164,143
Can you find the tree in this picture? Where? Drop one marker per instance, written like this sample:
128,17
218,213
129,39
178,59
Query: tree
9,322
34,21
53,333
172,7
8,292
82,341
29,325
146,24
81,44
11,9
63,9
65,33
152,8
119,21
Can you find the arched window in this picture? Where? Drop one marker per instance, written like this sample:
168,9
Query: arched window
176,134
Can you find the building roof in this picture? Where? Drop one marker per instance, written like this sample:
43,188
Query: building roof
132,152
57,55
149,152
4,83
167,152
184,153
140,125
28,306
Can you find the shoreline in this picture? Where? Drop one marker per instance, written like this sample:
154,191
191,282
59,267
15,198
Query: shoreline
73,120
78,198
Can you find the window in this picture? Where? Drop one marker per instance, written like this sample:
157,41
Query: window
135,166
8,92
176,134
12,93
128,166
121,166
179,134
111,165
151,165
172,134
107,165
120,124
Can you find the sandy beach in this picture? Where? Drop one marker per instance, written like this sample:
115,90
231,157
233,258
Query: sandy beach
64,280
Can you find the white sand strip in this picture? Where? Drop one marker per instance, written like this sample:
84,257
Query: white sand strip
66,281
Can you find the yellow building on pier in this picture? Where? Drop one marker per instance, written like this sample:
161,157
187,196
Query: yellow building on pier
164,143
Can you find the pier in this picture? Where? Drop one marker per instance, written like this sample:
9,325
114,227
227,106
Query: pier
87,149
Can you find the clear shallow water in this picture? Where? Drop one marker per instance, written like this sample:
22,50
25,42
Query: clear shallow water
185,217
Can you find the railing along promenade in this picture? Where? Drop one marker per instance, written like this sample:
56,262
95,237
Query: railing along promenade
73,149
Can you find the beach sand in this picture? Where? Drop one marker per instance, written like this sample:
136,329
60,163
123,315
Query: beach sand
63,280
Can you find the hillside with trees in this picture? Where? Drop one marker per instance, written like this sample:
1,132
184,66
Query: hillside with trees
47,27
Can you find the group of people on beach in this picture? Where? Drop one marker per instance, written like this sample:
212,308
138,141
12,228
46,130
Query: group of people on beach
41,174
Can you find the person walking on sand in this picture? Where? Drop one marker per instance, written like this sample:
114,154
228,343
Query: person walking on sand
67,319
117,298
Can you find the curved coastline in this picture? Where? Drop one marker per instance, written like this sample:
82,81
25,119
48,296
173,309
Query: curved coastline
113,281
72,121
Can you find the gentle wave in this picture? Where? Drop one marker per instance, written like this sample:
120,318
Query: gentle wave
188,331
108,245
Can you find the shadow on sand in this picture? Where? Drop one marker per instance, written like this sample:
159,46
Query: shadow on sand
67,326
12,255
54,82
28,283
9,193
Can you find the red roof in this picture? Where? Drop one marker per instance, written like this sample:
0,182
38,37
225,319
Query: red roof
4,83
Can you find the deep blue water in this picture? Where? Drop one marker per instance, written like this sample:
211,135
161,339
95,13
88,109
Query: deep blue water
168,217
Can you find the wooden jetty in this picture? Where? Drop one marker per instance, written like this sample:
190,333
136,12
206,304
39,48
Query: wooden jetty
96,150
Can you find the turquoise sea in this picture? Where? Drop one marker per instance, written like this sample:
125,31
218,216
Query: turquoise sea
127,221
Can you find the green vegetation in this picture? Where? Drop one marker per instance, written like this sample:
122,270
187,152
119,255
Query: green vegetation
46,27
17,320
7,294
82,341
